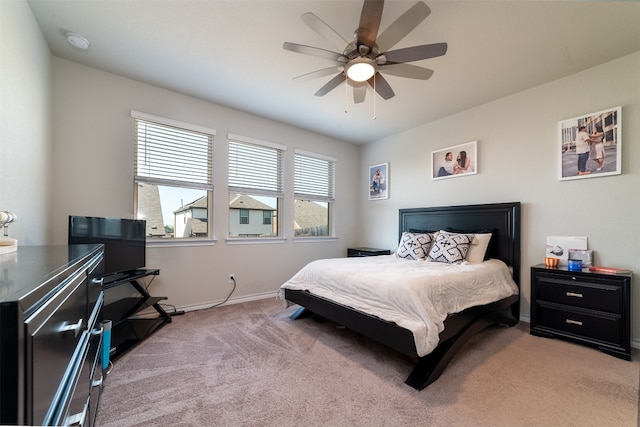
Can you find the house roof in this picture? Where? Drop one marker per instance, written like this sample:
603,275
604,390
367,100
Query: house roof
309,214
242,201
198,226
200,202
149,197
231,53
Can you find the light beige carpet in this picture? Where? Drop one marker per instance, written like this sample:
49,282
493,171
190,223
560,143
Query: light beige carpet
250,365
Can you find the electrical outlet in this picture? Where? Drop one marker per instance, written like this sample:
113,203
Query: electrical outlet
232,279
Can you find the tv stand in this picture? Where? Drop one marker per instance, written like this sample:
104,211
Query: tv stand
128,326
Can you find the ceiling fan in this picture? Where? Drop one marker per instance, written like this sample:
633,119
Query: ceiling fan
364,59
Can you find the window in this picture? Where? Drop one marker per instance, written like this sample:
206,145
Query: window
173,174
244,216
255,187
314,188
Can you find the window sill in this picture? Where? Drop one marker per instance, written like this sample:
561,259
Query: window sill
253,240
164,243
315,239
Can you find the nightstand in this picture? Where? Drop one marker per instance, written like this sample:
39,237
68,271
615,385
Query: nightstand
356,252
582,306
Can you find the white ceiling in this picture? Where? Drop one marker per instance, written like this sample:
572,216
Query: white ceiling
230,53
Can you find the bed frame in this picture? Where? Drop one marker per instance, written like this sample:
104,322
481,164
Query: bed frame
501,219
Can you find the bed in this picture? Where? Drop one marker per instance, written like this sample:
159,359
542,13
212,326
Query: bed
502,220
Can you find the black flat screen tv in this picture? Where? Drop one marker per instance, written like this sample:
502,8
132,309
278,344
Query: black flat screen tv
124,240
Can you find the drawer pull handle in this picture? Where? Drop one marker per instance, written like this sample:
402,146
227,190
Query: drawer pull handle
573,322
72,327
574,294
98,281
97,383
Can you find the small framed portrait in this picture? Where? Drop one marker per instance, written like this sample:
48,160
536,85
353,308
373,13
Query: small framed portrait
590,146
459,160
379,181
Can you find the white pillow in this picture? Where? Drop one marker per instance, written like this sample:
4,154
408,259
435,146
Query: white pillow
450,247
478,248
414,245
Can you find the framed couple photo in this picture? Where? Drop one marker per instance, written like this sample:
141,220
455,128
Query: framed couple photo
379,181
590,146
455,161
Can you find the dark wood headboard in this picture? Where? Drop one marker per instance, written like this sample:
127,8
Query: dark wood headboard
501,219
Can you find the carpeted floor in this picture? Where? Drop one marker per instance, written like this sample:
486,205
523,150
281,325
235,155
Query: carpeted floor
250,365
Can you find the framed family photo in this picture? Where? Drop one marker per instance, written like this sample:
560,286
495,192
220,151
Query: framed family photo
590,146
379,181
459,160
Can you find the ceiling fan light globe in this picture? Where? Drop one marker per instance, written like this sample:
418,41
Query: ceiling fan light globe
361,71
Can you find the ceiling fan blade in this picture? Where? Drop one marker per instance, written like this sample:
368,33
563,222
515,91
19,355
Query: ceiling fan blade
402,26
381,86
319,73
370,17
407,70
359,92
330,85
315,51
322,28
416,53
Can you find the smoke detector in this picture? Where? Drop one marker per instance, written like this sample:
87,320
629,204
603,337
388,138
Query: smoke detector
77,40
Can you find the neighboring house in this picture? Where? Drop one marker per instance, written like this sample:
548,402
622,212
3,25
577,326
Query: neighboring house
149,196
311,219
191,219
249,217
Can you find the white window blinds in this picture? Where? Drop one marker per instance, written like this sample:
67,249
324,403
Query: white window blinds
171,155
315,177
255,167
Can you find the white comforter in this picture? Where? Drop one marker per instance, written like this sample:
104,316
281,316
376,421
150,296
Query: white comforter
417,295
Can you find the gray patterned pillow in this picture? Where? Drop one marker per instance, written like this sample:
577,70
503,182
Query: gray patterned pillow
414,245
450,247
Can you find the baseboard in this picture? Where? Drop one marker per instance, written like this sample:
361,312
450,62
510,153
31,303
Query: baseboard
231,301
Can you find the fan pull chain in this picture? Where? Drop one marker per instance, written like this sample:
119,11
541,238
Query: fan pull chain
374,97
346,94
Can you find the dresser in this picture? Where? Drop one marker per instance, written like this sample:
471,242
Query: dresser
51,302
358,252
581,306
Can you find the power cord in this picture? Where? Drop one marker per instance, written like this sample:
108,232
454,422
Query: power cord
176,312
228,296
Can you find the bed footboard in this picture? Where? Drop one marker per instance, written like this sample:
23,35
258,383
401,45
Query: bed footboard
386,333
459,329
429,367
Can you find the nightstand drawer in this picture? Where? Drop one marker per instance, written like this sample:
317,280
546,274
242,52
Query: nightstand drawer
606,328
599,297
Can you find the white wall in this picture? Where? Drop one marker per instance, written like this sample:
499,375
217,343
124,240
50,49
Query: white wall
93,158
517,156
25,124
